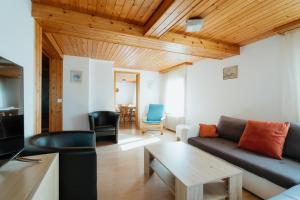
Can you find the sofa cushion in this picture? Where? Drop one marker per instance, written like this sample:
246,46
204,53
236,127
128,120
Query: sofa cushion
292,143
283,172
208,130
265,138
231,128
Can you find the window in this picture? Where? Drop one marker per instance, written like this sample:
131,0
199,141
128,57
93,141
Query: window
174,93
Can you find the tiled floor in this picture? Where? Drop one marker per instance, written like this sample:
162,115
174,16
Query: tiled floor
121,169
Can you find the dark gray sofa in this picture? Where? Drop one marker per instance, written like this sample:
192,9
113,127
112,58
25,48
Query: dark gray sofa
285,172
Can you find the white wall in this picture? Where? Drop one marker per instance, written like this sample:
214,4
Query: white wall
149,88
95,92
101,85
75,95
17,45
255,94
126,94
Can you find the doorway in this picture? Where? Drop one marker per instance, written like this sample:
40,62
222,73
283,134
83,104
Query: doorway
45,93
126,98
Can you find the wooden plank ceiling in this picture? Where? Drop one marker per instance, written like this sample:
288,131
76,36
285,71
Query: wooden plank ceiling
130,11
122,55
150,34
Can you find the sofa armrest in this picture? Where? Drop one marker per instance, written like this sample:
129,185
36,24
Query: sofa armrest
291,194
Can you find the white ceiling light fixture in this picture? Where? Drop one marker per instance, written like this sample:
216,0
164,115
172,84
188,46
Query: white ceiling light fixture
194,25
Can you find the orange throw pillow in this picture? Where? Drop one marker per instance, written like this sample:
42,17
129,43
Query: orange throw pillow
208,130
265,138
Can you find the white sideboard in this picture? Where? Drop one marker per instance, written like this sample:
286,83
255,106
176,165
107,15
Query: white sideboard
30,181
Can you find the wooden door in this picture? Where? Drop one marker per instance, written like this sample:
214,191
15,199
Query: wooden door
55,94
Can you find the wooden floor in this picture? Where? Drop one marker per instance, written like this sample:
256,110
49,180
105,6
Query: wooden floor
121,169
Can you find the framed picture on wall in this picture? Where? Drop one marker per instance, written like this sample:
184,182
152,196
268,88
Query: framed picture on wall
76,76
230,72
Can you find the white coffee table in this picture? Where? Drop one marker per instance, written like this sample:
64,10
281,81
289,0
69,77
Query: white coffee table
192,174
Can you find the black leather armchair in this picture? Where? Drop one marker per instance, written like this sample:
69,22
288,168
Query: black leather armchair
77,161
105,124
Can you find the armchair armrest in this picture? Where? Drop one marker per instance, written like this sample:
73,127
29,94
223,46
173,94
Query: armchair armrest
115,116
91,122
163,117
71,140
144,118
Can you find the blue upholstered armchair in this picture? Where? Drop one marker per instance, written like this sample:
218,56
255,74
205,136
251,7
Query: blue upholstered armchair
154,117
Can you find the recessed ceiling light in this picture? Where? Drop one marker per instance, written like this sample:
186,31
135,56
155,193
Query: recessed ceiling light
193,25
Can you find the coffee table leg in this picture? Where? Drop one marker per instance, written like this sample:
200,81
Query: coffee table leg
182,192
147,161
235,187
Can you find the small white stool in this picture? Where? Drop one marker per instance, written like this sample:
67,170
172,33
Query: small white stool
182,132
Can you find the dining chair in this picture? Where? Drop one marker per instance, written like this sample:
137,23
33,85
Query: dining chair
124,113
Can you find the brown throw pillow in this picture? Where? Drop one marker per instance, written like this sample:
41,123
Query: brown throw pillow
206,130
265,138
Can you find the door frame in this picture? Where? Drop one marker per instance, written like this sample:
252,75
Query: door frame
44,45
137,89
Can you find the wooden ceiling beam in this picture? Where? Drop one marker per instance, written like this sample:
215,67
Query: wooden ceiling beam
54,44
57,20
175,67
178,10
49,49
158,16
287,27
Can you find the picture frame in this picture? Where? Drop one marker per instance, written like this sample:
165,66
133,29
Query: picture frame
76,76
230,72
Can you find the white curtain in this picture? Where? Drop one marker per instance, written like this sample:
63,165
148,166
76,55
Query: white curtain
290,48
174,92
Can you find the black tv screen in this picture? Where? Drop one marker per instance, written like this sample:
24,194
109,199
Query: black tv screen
11,110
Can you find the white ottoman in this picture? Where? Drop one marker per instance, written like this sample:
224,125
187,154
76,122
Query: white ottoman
182,132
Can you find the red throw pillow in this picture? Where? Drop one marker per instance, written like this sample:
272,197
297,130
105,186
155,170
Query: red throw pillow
266,138
208,130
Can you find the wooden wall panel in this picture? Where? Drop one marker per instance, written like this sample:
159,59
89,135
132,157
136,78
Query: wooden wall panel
55,94
38,78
